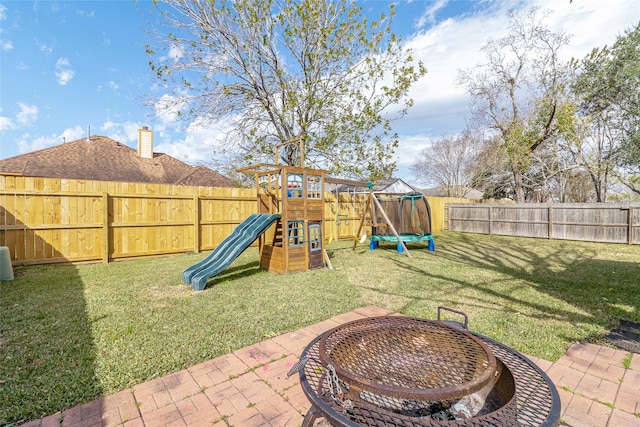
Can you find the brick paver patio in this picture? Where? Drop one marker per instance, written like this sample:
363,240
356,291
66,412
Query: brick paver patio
249,388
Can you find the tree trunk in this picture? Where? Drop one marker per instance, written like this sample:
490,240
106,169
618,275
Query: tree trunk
518,188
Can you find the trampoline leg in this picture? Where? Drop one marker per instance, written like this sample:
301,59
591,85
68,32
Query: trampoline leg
399,247
372,244
432,246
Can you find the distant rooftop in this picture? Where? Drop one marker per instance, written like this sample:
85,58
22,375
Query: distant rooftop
104,159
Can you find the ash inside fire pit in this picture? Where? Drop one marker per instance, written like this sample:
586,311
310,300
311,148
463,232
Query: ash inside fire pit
492,397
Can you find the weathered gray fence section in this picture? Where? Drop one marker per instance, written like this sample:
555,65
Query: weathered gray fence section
608,223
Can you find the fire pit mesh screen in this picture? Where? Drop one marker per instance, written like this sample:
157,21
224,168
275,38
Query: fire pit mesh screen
535,402
408,357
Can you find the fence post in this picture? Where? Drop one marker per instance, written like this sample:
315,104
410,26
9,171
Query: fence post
490,219
630,225
550,219
105,227
196,223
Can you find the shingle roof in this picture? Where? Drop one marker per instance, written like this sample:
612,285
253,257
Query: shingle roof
103,159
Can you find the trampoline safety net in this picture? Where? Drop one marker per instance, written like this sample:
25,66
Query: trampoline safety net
408,213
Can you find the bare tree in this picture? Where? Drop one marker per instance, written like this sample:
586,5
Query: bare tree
279,69
519,92
450,162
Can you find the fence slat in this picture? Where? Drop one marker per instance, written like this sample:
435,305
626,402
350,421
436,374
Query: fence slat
105,227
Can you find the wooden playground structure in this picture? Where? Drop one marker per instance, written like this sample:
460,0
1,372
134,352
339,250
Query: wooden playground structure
296,241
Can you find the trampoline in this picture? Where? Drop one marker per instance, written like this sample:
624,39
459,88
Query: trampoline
409,214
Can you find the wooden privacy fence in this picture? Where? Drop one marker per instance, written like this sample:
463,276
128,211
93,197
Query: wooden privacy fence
48,220
603,222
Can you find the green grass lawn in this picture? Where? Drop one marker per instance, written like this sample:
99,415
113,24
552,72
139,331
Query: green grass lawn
69,334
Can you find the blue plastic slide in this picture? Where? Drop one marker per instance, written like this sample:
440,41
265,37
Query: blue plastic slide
228,250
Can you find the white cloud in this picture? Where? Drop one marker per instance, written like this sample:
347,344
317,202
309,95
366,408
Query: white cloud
27,143
167,109
589,23
6,124
200,143
175,52
87,14
411,146
440,105
111,85
126,132
64,72
71,134
64,76
3,12
28,114
47,50
408,152
106,41
6,45
429,15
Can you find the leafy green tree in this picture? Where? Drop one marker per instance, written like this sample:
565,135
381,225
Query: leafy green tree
608,86
281,69
519,94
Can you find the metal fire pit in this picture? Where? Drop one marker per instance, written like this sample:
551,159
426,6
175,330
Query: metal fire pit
404,371
408,358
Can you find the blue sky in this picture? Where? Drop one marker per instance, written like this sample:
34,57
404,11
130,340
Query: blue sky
66,65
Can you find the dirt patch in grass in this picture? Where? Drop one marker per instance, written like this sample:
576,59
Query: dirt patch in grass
626,336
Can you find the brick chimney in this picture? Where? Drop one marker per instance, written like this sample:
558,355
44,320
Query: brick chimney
145,143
